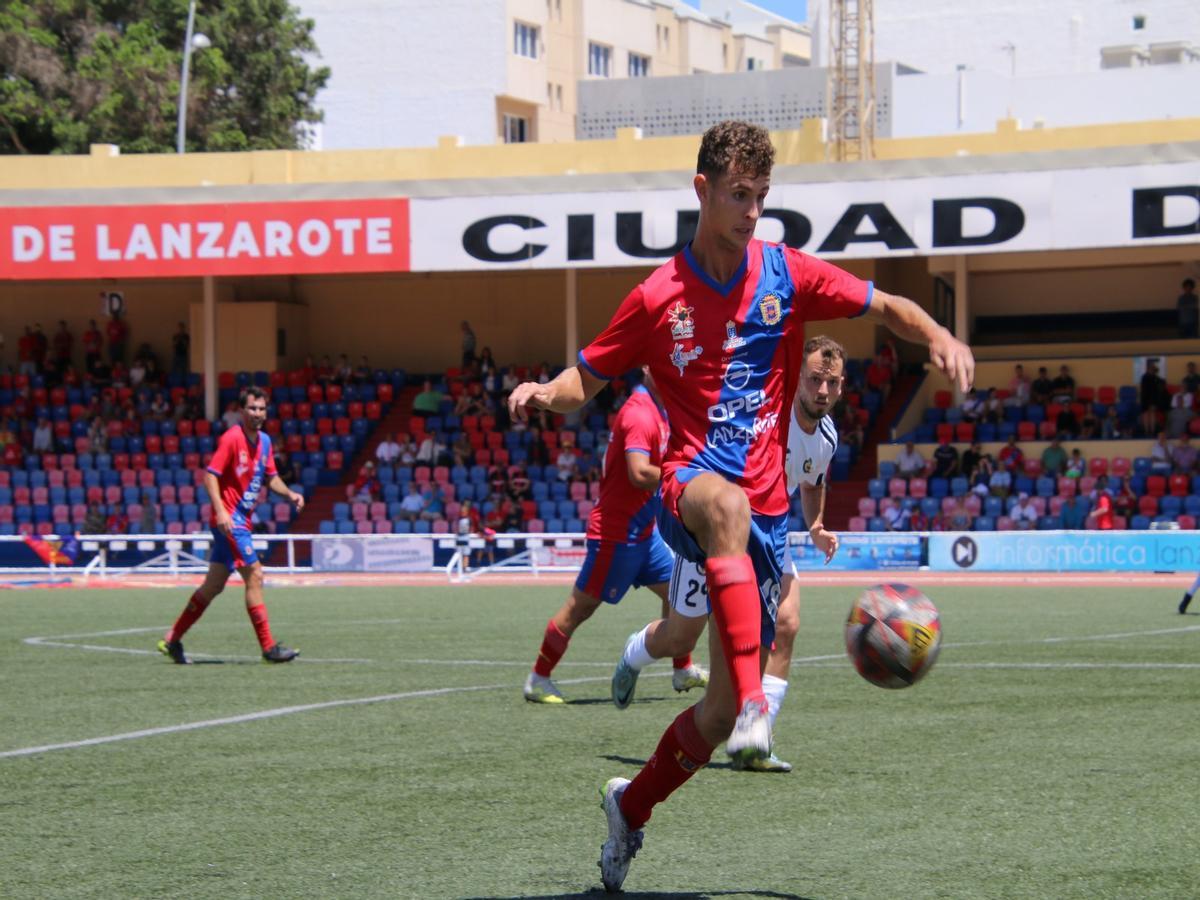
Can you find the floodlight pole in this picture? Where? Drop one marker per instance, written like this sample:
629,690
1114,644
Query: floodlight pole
183,77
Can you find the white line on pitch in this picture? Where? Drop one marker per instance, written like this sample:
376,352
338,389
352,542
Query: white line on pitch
64,641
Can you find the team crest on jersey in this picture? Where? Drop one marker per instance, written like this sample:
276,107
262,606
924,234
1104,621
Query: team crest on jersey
680,357
683,326
808,466
771,308
732,341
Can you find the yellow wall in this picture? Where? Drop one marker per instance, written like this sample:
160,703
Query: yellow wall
623,154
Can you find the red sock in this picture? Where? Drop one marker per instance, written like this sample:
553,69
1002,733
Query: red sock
735,606
681,753
194,610
262,628
554,645
682,662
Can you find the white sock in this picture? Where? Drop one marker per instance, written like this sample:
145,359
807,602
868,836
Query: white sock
636,656
775,689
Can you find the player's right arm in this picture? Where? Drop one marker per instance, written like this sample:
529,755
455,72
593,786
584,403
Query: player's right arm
812,503
568,391
643,474
224,522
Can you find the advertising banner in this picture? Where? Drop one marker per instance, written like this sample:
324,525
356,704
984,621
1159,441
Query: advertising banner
166,241
1064,551
860,552
378,554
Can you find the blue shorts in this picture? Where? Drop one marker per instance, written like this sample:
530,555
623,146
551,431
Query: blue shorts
610,569
767,547
233,552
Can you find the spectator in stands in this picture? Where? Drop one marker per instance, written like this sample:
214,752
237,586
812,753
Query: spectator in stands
117,522
1076,465
137,372
93,521
889,356
408,451
1000,483
363,374
1089,425
917,520
945,460
909,462
388,451
432,451
1111,428
1183,456
461,450
537,451
1188,308
308,372
413,504
1023,514
1054,458
1042,387
1153,399
43,437
13,455
487,363
324,373
1074,512
970,460
973,405
119,375
495,518
1191,380
959,519
181,350
993,409
1101,515
64,343
498,480
159,407
428,401
1125,502
7,436
1012,457
98,436
366,487
435,502
566,462
1065,424
1019,388
1180,413
343,374
850,430
148,520
1160,456
896,517
26,351
118,333
879,375
93,345
519,485
289,471
232,417
1062,389
468,344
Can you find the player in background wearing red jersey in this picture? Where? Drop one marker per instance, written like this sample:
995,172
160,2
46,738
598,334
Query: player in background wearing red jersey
624,548
242,463
721,327
811,444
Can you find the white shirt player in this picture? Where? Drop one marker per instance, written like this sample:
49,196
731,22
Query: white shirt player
809,455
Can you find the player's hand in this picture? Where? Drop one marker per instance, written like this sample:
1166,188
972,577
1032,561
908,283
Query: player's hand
954,358
297,500
825,541
529,393
224,523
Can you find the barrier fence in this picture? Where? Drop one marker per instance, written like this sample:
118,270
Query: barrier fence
466,557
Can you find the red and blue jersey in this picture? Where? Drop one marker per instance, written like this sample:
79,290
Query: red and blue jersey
241,471
626,513
726,357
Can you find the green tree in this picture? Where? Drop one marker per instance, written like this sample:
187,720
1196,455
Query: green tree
78,72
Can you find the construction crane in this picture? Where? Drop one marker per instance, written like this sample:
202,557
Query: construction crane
851,89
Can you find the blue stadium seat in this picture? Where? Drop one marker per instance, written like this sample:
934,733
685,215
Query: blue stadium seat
1170,506
540,491
341,512
1139,523
984,523
1191,505
110,478
877,488
994,506
402,526
346,528
1023,484
1141,465
422,527
958,486
876,523
887,469
391,492
930,506
933,415
985,432
954,415
925,434
1035,413
555,525
37,479
1046,486
170,512
479,474
1013,414
938,488
1005,430
547,510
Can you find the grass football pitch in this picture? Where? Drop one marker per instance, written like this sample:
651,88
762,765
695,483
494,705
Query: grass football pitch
1050,754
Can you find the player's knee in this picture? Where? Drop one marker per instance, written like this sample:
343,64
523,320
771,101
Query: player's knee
729,511
786,628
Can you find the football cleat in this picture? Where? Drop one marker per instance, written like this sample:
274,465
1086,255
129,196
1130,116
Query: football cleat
623,843
280,654
693,676
751,738
174,649
624,682
771,764
540,689
1183,604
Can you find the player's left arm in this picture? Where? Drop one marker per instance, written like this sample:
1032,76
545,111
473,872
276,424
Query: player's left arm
567,392
907,320
812,503
643,474
277,485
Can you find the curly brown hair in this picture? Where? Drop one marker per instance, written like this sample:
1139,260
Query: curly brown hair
735,147
830,349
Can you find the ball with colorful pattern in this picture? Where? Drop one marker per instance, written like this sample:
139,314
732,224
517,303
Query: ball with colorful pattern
893,635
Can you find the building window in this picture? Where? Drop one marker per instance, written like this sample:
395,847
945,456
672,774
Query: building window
752,64
639,66
525,40
599,60
515,129
558,96
1139,22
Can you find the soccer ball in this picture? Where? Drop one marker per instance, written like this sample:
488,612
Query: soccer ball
893,635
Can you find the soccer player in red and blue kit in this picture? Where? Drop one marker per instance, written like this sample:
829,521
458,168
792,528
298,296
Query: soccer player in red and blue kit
241,465
624,548
721,327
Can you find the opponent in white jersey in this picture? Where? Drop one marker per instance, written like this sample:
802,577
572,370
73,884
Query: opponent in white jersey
812,442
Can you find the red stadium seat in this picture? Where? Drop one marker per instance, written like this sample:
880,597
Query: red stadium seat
1106,394
1067,487
1119,466
312,443
422,474
858,523
303,410
897,487
1046,430
1026,431
1186,522
1156,485
1179,485
964,432
1033,466
335,460
866,507
316,393
483,457
203,428
942,399
918,487
185,428
1097,466
354,410
226,380
1085,394
341,426
374,411
1148,505
945,432
324,426
500,457
384,393
333,393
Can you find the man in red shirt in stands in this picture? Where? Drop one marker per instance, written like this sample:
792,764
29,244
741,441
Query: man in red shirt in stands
92,345
1101,516
118,333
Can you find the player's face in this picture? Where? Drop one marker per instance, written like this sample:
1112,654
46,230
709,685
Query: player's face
254,413
820,386
732,204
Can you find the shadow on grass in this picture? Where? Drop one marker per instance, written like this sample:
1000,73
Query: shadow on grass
647,895
633,761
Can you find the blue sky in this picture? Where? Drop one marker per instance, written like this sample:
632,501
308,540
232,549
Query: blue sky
796,10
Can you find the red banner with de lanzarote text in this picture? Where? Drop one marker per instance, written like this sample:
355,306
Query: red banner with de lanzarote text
187,240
